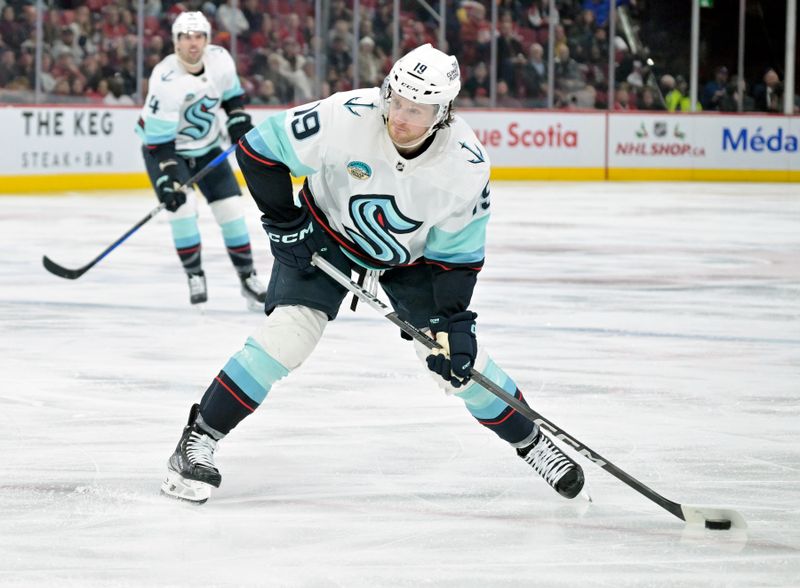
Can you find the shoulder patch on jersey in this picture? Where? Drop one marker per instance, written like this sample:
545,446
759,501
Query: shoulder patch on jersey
353,103
359,170
167,76
476,152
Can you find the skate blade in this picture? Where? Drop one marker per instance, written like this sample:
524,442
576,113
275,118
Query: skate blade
179,488
200,307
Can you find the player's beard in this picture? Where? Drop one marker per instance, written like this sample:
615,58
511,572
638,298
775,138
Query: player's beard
405,137
191,63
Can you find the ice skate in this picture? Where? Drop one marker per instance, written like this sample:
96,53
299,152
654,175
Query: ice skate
254,291
190,470
198,293
557,469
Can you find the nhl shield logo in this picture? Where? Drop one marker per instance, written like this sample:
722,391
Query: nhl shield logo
660,128
359,170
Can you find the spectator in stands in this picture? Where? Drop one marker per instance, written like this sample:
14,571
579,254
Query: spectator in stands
301,81
533,77
581,36
8,66
67,42
678,99
648,100
510,52
62,87
254,13
714,90
504,98
268,64
536,18
768,94
370,64
568,73
418,35
116,95
622,98
231,19
730,101
477,85
85,30
266,94
12,33
339,57
636,78
382,25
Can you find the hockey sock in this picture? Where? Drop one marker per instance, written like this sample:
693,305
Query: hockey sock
230,218
493,413
186,237
240,387
237,242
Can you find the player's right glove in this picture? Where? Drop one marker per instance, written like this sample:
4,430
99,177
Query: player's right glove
168,184
459,349
294,243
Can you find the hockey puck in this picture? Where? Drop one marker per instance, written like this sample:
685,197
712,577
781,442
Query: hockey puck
718,525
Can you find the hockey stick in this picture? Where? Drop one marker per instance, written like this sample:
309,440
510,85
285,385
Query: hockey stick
74,274
712,517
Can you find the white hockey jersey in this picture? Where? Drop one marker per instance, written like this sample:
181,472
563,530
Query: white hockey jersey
183,107
393,210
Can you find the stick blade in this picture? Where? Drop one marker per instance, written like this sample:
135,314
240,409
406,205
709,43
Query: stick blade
61,271
701,514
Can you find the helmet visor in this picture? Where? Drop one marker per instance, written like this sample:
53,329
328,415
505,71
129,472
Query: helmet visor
414,114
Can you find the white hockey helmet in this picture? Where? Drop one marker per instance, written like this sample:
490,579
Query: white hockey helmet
427,76
190,22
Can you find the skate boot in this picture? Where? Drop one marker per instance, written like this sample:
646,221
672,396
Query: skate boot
552,464
197,288
254,291
190,470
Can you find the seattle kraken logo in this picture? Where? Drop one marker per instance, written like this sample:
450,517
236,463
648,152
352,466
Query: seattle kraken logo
200,117
377,217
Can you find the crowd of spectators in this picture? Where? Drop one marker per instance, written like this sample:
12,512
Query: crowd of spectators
89,50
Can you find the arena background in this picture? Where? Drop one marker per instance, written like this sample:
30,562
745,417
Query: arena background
536,90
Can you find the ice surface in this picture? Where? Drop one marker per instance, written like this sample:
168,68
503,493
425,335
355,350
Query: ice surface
657,323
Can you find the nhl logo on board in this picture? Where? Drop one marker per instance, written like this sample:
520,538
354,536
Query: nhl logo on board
359,170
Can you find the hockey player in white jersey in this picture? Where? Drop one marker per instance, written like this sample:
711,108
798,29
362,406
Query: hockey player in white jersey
181,133
396,183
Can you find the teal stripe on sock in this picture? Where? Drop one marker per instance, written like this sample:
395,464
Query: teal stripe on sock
481,403
254,370
185,232
235,233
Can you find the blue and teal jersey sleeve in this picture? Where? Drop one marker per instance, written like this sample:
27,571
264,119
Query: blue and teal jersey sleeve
293,137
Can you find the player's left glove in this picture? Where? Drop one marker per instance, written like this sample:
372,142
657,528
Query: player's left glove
456,335
239,123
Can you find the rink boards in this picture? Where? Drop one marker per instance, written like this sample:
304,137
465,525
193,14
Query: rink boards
57,148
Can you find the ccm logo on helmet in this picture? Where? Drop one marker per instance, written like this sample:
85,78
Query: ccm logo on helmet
292,237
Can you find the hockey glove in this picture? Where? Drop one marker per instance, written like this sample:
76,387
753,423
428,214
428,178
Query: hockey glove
168,184
459,349
294,243
239,123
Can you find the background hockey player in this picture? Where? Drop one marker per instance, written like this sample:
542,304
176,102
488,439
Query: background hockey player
396,183
181,133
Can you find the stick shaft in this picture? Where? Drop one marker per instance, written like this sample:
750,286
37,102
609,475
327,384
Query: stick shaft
72,274
525,410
